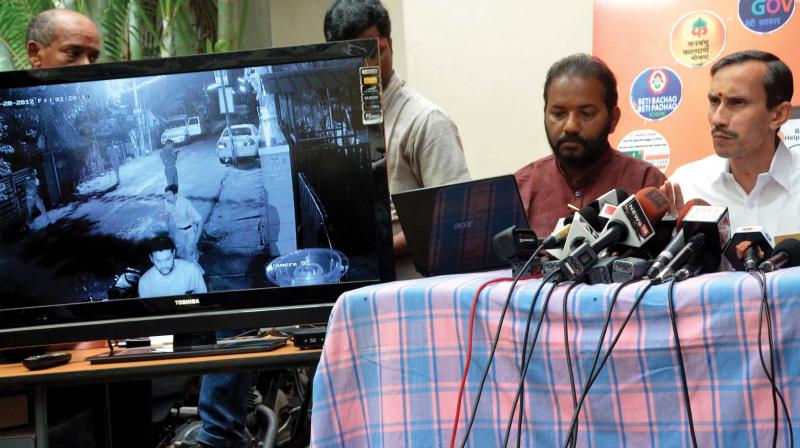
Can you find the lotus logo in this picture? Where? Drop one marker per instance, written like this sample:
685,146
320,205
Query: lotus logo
187,301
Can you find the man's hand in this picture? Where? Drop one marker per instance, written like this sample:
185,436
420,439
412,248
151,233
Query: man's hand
674,196
399,244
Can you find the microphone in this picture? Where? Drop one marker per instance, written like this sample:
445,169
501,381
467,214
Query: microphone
560,234
714,225
516,246
676,243
705,261
748,246
787,253
685,210
630,225
687,252
691,269
602,271
579,231
629,268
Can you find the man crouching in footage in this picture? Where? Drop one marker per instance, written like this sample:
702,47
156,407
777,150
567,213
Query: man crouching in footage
169,276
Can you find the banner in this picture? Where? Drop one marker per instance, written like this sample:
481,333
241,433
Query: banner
661,52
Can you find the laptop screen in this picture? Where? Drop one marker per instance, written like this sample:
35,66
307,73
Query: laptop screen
449,229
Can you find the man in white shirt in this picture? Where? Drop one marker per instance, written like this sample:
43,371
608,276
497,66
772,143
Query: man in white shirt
752,172
169,276
423,148
185,223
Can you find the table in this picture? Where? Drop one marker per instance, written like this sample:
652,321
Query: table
80,371
394,353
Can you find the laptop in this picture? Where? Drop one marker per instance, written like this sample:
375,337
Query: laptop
449,228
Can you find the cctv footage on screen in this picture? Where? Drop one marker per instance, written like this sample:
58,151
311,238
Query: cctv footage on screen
238,167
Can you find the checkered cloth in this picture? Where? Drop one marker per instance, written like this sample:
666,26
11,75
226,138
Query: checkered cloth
394,354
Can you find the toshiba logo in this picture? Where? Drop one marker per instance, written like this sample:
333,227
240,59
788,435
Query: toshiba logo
189,301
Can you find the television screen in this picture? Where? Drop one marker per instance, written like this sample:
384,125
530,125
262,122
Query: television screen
166,189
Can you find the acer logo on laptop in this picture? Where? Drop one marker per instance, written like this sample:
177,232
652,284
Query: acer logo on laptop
462,225
187,301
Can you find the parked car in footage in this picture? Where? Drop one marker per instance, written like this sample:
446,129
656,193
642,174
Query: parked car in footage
180,129
245,137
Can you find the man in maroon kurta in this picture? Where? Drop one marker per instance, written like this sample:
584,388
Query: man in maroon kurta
580,95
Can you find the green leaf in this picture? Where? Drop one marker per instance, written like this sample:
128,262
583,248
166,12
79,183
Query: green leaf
15,15
114,23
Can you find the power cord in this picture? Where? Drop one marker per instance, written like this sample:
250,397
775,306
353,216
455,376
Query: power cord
569,358
468,360
526,361
496,340
679,352
594,373
770,373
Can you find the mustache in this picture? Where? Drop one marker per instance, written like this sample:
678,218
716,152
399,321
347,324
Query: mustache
567,138
725,132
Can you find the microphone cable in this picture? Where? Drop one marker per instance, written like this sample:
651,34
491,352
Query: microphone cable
770,373
594,374
682,368
497,339
468,359
569,358
525,362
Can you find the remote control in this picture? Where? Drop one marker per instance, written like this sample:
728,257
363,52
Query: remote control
47,360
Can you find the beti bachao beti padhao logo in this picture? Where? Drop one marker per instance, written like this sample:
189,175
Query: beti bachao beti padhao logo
765,16
656,93
697,38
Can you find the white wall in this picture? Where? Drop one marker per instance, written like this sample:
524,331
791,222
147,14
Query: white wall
483,61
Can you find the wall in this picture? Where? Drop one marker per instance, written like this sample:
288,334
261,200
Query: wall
483,61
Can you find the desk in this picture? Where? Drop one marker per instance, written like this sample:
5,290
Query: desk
394,354
78,370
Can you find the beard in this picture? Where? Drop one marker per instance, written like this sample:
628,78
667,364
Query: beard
593,148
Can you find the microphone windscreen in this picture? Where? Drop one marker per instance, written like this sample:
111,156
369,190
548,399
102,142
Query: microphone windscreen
592,217
654,204
621,195
792,248
686,207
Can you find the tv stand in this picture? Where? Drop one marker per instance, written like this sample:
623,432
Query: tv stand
189,345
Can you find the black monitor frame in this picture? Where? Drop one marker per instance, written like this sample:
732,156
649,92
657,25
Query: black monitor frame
265,307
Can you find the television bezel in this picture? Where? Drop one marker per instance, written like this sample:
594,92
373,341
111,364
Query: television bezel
239,309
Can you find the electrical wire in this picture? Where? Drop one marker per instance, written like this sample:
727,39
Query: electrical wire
469,353
496,340
593,374
522,357
527,360
770,373
569,359
682,368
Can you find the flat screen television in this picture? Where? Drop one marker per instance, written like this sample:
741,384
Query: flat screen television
281,205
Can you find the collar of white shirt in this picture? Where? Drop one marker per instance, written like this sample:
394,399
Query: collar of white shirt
780,170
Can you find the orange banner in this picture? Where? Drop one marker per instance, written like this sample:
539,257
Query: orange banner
661,52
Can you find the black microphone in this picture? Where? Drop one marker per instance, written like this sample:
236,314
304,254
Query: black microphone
629,225
705,261
677,241
714,223
747,247
675,244
689,251
516,246
786,253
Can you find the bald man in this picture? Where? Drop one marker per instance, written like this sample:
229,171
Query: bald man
59,37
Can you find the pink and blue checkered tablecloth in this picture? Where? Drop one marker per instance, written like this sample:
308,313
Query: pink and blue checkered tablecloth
394,353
